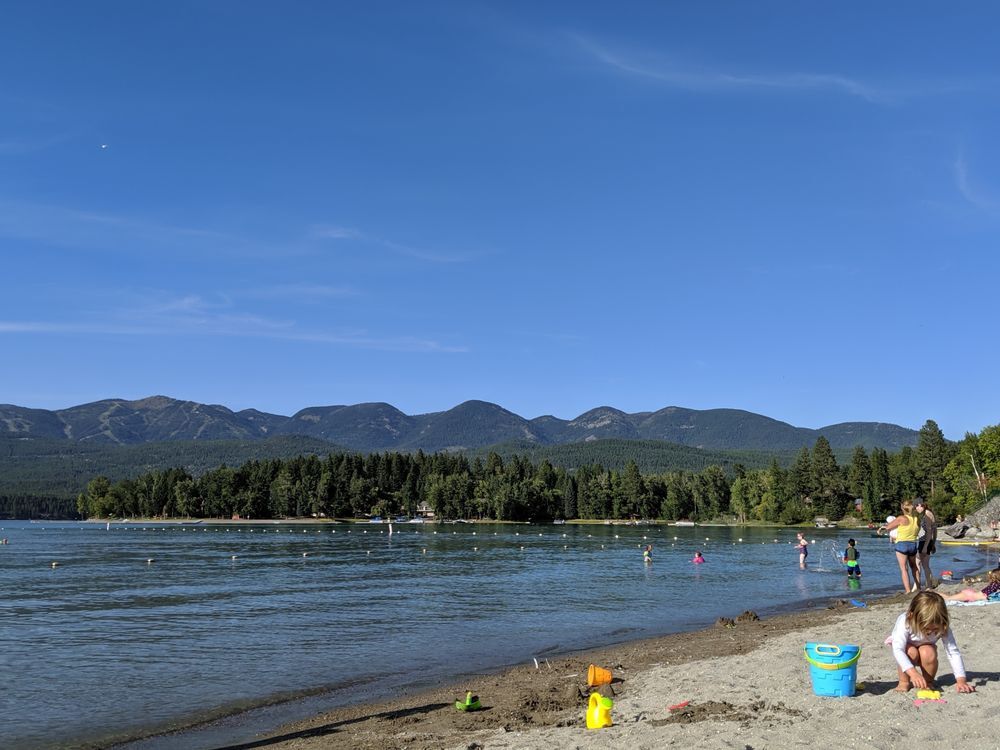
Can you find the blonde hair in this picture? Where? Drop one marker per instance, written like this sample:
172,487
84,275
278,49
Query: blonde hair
907,507
928,614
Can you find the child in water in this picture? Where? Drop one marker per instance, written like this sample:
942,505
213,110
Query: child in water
803,549
914,644
990,592
647,554
698,559
851,556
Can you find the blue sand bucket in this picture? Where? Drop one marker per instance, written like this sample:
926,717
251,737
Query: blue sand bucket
834,669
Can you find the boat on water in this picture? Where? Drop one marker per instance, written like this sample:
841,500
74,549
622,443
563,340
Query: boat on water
969,542
559,521
684,523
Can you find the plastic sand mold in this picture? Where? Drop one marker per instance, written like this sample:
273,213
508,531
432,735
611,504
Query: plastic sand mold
471,703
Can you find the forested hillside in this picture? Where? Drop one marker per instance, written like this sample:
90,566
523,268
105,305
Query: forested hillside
469,426
651,456
518,489
47,467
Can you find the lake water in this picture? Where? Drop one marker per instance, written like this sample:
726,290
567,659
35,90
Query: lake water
107,646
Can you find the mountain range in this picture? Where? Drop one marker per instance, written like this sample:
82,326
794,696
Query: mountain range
470,425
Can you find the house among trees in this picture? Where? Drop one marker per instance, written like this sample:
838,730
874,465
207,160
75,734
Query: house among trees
425,511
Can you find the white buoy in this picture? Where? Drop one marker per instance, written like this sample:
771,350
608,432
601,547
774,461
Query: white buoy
55,564
233,557
149,561
305,554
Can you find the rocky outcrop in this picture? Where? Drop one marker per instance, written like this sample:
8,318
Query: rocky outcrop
978,525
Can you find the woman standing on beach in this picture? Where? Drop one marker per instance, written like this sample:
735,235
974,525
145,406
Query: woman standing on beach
926,545
907,528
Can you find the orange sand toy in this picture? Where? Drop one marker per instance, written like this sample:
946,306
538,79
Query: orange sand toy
598,676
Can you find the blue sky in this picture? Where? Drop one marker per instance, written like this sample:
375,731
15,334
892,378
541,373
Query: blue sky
788,208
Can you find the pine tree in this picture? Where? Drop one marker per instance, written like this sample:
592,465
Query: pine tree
860,472
930,458
801,477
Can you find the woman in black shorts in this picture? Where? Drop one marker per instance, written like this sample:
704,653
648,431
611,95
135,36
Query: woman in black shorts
927,544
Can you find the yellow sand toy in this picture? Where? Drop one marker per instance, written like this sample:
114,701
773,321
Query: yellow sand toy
599,711
471,703
927,694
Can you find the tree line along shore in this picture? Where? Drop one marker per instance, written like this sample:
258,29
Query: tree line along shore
953,477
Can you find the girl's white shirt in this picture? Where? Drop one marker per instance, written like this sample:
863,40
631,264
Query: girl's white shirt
903,636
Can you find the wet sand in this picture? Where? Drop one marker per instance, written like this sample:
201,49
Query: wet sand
747,682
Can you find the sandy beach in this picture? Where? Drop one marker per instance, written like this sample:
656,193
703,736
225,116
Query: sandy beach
747,684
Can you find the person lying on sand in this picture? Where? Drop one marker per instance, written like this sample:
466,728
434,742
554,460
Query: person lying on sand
914,644
991,591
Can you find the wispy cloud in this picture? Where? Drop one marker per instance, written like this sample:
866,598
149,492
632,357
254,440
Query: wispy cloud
657,69
990,203
299,291
193,315
21,146
111,233
338,233
332,232
74,228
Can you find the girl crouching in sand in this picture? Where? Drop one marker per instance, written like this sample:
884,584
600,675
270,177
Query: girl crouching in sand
914,644
991,591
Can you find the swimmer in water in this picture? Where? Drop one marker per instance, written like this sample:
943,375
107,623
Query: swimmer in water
647,554
803,548
698,559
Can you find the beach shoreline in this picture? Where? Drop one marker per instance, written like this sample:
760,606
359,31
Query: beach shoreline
527,706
